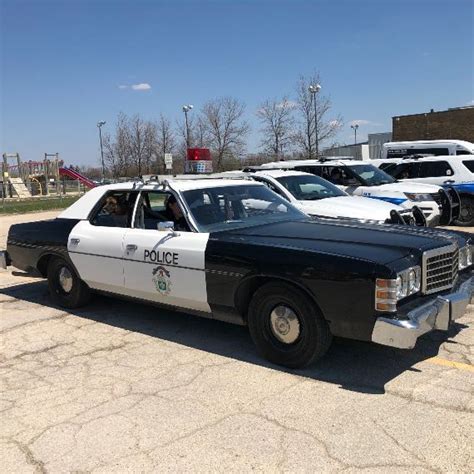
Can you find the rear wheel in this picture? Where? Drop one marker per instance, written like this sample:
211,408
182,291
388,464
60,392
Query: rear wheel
65,286
286,326
466,214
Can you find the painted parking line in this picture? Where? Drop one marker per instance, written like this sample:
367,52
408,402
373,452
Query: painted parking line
451,363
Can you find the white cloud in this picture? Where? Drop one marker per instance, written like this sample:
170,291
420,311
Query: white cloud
122,86
143,86
471,103
362,122
335,123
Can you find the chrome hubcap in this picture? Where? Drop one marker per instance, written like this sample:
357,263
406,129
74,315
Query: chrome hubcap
285,324
65,280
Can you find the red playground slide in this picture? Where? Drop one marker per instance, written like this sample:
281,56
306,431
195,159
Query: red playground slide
75,175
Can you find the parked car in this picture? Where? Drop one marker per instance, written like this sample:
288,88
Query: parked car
235,251
318,197
447,171
426,147
359,178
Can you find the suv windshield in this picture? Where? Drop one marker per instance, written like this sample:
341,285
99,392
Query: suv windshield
231,207
309,187
370,175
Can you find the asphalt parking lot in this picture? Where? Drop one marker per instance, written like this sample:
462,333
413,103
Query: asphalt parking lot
122,387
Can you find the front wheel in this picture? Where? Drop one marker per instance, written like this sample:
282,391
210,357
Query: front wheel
466,214
65,286
286,326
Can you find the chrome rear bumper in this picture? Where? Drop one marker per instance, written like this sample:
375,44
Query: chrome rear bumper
4,260
435,314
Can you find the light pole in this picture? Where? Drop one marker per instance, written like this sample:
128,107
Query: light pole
314,89
186,109
99,125
355,127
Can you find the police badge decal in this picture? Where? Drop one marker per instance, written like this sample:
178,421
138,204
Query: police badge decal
161,279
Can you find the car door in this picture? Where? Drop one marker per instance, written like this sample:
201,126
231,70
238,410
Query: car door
164,266
435,172
95,246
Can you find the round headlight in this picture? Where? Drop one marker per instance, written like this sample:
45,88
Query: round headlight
413,281
402,289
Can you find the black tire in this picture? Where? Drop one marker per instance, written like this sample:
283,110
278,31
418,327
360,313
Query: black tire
79,293
314,336
466,214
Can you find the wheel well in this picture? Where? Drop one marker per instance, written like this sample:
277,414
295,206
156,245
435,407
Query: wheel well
247,289
43,263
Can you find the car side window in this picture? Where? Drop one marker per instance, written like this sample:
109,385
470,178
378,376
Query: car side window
404,171
469,165
271,186
115,209
158,206
339,175
432,169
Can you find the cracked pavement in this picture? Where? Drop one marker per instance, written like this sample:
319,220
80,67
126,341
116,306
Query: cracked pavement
125,387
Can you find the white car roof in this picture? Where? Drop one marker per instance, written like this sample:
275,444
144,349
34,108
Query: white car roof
430,142
83,206
279,173
330,162
453,158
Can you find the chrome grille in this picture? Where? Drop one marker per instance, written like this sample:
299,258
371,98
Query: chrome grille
440,268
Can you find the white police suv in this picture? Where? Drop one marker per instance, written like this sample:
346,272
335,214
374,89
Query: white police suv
360,178
318,197
449,171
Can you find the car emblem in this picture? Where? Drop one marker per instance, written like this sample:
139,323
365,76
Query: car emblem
161,280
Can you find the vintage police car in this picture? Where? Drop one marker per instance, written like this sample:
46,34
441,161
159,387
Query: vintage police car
318,197
235,251
360,178
452,171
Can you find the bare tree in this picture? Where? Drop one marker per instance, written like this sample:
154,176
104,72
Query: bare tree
131,150
225,127
305,136
116,151
166,141
142,142
277,121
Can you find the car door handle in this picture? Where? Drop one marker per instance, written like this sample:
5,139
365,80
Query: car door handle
131,247
75,241
448,181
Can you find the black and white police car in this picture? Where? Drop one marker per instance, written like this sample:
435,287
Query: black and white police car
233,250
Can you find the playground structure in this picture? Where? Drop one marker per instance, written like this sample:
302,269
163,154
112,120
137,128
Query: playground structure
26,179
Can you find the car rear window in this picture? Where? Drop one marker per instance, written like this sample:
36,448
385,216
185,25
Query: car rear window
469,165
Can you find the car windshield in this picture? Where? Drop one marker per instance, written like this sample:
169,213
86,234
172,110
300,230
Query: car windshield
231,207
309,187
370,175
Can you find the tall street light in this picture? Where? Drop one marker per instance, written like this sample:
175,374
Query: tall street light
99,125
186,109
355,127
314,89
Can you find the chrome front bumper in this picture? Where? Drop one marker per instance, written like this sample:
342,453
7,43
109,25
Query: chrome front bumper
435,314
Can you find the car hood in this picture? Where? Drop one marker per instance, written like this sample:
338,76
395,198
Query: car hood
370,242
411,187
355,207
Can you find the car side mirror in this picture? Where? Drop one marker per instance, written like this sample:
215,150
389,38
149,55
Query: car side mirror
166,225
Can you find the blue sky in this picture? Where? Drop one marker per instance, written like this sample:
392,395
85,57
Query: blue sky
62,62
